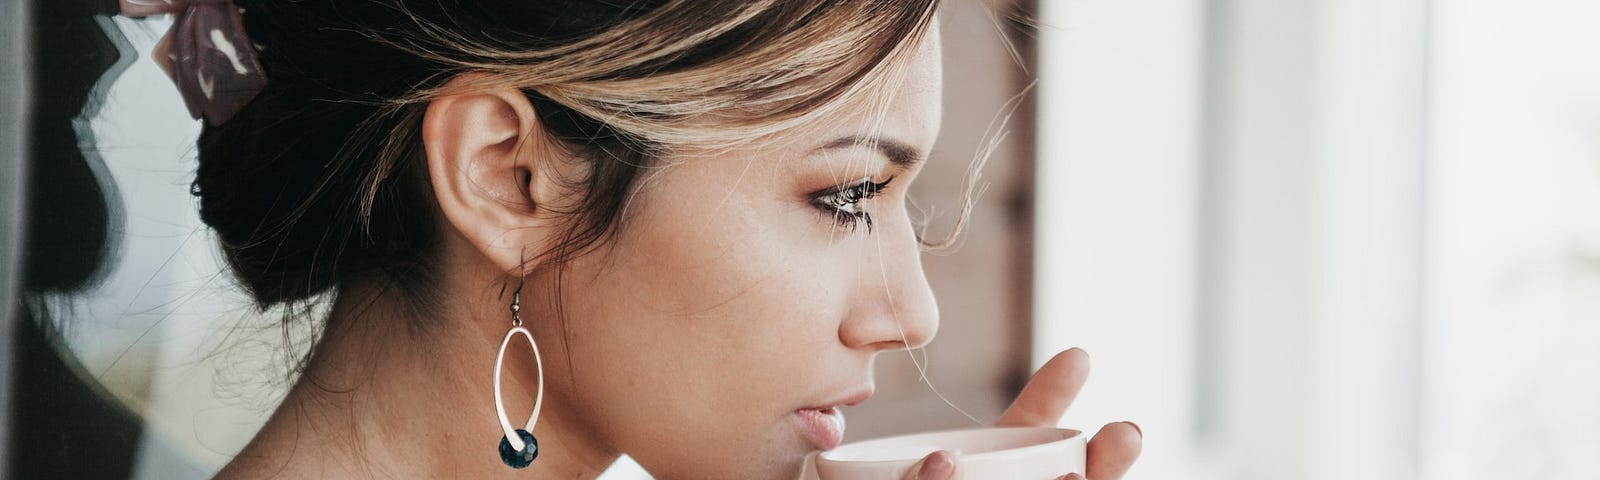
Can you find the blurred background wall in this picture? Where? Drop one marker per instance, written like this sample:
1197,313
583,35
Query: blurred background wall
1326,238
1300,239
13,95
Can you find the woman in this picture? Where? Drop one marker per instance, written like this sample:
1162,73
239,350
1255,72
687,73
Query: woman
697,207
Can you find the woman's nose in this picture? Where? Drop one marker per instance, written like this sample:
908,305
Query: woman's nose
894,309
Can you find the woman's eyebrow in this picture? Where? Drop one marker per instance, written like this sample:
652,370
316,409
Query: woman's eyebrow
898,152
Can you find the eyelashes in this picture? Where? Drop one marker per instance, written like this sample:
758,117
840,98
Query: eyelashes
844,202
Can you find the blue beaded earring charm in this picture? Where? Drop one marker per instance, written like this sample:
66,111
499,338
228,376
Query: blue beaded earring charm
518,448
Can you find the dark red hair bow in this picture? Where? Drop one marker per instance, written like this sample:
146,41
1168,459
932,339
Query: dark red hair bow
207,54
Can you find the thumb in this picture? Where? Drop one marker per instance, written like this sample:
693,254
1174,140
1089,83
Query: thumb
939,465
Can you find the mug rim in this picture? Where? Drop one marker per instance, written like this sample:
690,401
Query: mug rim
1069,435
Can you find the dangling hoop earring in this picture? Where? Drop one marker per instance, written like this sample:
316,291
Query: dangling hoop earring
518,448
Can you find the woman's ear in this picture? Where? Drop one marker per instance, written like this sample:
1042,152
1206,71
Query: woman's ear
494,172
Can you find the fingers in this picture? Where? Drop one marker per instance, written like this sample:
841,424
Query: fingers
1046,397
1048,393
940,465
1113,450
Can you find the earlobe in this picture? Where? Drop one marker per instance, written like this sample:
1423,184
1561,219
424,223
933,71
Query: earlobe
489,164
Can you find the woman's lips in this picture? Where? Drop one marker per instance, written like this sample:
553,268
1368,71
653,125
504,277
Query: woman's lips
824,427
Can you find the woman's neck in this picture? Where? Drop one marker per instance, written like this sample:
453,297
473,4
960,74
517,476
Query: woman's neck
381,400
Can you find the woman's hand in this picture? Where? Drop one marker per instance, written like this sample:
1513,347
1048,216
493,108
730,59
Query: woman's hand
1041,404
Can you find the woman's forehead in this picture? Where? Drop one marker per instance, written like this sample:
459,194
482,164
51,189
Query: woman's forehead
906,107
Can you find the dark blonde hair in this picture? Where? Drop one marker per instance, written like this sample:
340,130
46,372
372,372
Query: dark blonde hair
320,179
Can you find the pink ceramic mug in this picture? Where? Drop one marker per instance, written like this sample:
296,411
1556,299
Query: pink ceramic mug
1024,453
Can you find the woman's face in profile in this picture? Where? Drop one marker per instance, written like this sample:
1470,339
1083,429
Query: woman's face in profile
747,292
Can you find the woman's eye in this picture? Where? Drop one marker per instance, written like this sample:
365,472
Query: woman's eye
844,203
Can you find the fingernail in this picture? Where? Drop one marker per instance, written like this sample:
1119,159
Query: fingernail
939,465
1070,476
1136,428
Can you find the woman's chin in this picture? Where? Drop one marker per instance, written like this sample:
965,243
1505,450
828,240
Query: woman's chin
775,457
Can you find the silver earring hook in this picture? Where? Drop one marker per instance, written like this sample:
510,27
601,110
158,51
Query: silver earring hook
516,307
